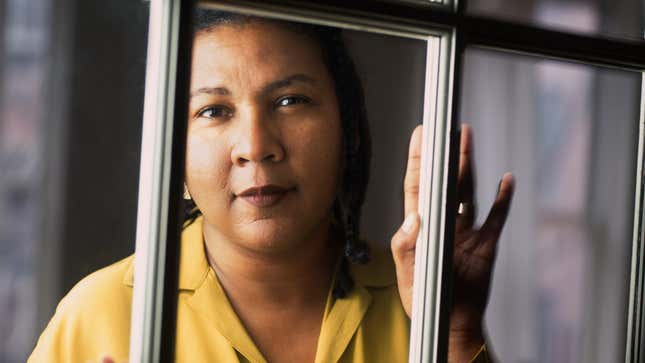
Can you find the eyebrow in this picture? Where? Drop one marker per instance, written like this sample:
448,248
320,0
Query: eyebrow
275,85
223,91
286,82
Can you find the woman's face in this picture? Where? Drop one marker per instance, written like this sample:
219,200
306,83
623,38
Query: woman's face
264,138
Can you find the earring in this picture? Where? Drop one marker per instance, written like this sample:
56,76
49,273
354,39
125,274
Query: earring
186,193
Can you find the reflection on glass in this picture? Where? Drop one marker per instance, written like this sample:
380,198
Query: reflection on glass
622,18
569,134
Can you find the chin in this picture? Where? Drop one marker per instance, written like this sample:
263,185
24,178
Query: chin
268,235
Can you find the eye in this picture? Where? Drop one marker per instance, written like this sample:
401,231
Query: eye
216,112
291,100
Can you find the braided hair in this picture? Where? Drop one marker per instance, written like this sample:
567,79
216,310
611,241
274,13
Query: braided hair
355,135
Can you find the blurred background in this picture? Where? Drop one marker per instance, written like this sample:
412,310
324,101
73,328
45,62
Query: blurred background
71,101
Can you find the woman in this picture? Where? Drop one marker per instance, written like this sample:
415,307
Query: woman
271,265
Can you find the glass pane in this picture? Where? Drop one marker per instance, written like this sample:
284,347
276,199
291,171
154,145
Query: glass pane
569,134
621,18
71,92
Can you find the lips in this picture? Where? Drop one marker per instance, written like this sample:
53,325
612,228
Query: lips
265,195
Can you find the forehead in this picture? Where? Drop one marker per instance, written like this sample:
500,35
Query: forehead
254,52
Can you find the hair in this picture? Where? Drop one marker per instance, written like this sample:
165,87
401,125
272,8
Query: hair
356,138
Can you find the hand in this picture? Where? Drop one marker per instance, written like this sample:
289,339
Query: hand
474,248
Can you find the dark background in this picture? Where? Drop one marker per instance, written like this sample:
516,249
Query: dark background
106,90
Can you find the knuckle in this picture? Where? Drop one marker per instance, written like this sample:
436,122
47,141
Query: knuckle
411,188
397,241
414,164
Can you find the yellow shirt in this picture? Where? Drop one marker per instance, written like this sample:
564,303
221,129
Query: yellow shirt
93,320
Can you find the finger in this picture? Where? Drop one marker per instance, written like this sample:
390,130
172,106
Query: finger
492,227
411,181
404,240
403,246
466,177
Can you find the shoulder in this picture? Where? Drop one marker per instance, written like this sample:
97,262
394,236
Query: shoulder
92,319
102,287
378,277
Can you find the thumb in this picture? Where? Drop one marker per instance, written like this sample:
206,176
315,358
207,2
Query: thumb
404,241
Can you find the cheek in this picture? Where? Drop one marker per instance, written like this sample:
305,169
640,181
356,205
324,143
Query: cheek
319,151
207,164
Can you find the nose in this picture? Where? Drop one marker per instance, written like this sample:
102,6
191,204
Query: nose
258,140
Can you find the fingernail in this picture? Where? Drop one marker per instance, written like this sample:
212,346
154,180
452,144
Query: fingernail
408,224
509,179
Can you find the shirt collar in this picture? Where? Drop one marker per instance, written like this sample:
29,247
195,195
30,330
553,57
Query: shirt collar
341,319
193,264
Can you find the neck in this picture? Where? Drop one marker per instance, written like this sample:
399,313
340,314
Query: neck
294,278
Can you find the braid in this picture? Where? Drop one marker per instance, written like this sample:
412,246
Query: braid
191,212
357,153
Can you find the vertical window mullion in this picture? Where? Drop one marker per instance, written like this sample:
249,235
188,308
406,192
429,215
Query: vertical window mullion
152,333
429,331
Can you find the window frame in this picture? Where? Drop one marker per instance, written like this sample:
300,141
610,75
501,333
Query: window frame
164,133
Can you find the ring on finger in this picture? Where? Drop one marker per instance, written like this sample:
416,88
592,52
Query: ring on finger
465,209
